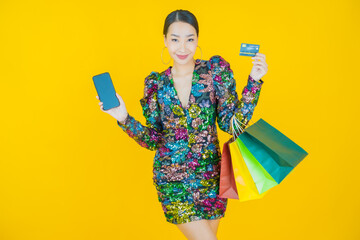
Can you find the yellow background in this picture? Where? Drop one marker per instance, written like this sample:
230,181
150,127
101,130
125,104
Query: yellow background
67,171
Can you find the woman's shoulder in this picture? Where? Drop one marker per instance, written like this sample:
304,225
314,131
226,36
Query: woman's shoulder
217,61
220,71
152,78
153,75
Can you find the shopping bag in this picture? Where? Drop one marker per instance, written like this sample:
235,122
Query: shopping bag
276,153
227,185
236,181
246,187
262,179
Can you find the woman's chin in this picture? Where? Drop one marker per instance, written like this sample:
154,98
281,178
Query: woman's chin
183,61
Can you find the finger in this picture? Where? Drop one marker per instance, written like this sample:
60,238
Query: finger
258,63
260,56
260,68
120,98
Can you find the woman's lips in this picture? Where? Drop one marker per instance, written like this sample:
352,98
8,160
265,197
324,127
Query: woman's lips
182,56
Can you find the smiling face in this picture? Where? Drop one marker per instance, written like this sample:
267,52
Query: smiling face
181,41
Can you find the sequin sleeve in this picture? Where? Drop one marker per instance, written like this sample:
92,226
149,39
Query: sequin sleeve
148,136
228,103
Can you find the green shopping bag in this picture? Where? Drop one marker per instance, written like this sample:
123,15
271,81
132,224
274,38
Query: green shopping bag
276,153
261,178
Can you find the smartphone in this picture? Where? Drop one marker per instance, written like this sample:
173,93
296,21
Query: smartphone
106,91
249,50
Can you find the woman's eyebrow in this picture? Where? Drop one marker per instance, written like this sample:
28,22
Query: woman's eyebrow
179,36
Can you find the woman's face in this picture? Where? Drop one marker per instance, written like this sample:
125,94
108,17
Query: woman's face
181,40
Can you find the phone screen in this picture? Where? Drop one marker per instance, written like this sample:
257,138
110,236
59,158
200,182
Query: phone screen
106,91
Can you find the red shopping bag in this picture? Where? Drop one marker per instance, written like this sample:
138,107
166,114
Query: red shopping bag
227,188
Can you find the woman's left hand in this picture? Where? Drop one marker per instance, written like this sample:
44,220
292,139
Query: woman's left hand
260,67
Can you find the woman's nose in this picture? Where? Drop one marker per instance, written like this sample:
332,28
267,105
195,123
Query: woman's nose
182,47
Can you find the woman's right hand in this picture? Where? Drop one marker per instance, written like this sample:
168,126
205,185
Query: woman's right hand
119,113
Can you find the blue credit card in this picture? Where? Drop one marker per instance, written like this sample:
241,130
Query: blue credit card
248,49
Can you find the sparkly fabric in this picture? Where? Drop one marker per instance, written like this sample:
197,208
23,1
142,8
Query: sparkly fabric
186,167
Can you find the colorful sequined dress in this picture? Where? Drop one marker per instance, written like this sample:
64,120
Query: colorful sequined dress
186,166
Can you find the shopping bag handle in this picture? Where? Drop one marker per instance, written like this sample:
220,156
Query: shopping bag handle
236,127
236,122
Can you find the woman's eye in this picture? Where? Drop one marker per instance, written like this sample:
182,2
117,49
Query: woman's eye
176,39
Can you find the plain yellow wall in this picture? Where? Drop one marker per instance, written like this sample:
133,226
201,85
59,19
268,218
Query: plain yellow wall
67,171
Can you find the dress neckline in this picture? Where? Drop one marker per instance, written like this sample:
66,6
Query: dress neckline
193,81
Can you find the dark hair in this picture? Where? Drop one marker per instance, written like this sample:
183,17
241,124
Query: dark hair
181,16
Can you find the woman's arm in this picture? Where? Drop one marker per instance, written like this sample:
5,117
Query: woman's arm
228,104
148,136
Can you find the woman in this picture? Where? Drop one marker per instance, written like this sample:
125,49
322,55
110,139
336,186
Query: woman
180,105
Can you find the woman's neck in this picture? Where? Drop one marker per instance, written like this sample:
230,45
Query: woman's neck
182,69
